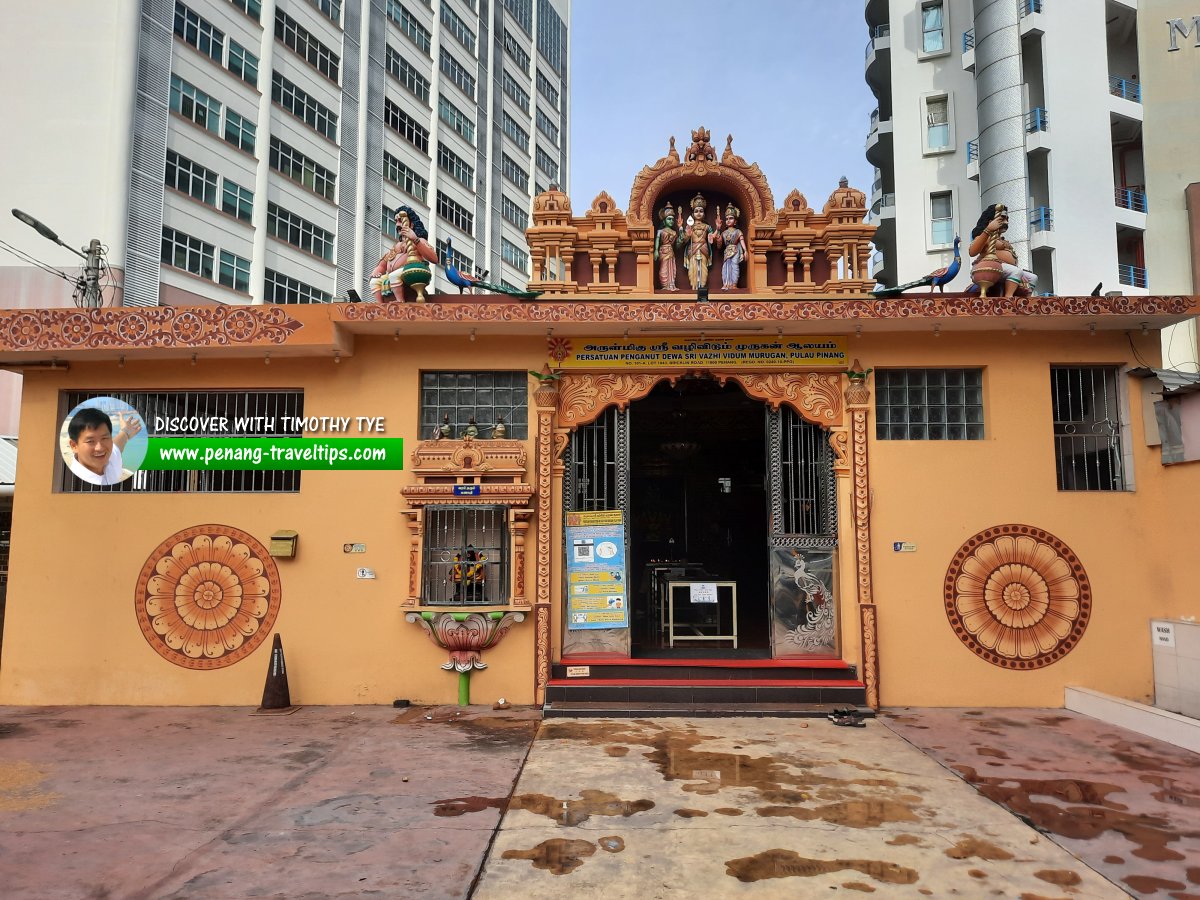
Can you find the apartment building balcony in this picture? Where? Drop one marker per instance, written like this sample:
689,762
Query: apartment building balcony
1032,20
1125,98
968,50
1131,206
1132,276
883,217
876,13
1037,130
879,60
1041,228
879,142
973,159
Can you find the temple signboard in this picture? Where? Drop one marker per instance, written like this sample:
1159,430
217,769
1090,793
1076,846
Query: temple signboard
808,352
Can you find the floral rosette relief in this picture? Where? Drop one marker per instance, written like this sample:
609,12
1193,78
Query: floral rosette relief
207,597
1018,597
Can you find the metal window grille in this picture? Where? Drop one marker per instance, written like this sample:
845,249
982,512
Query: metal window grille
466,556
268,406
1087,428
929,404
807,491
597,464
484,396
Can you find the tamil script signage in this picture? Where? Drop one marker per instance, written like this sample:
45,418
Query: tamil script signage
692,352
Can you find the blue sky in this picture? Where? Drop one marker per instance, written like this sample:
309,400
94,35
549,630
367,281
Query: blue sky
784,77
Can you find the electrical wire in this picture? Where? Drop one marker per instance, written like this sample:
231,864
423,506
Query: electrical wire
25,257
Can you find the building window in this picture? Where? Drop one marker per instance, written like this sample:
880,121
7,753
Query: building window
522,13
252,8
234,272
514,90
301,233
243,63
929,404
514,172
465,557
406,73
514,255
237,201
941,219
405,125
187,253
933,27
458,28
547,90
239,131
281,288
413,30
191,178
519,135
513,212
452,163
405,178
200,33
516,52
457,73
195,105
295,165
331,8
456,119
1088,438
937,124
455,257
547,127
303,107
456,214
482,396
298,39
551,36
547,164
252,413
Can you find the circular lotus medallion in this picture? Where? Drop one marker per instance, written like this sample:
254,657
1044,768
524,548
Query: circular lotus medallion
1018,597
207,597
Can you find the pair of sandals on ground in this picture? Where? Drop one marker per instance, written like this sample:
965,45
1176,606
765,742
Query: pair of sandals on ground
847,716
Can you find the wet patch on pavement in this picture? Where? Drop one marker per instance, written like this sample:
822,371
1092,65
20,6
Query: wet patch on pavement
459,806
575,812
787,863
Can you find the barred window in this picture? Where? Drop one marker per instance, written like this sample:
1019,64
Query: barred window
522,13
514,255
298,38
405,125
514,90
513,212
240,132
458,27
413,29
187,253
457,73
514,172
295,165
296,101
252,8
406,73
929,404
551,36
199,32
465,556
331,8
1088,438
243,63
405,178
456,214
547,90
291,228
456,119
516,52
234,272
282,288
547,127
237,201
519,135
455,257
482,396
458,167
195,105
249,413
191,178
547,164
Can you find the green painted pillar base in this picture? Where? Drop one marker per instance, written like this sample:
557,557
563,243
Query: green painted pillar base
464,688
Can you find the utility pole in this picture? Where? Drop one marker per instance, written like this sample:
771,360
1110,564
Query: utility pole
92,254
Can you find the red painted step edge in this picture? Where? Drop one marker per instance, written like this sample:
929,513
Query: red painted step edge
706,663
698,682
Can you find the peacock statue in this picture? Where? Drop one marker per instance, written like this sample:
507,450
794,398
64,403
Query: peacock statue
461,281
938,278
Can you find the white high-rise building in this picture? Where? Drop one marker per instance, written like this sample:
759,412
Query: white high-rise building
239,151
1031,103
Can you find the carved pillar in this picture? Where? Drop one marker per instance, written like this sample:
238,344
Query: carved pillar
520,524
806,258
595,257
414,522
789,264
546,399
858,399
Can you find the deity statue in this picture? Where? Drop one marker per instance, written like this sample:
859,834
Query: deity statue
666,240
407,263
697,257
734,242
995,259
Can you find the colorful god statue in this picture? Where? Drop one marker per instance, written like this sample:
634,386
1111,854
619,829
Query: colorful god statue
666,240
407,263
995,261
697,256
731,238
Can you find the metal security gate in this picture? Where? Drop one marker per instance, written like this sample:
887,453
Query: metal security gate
803,540
596,472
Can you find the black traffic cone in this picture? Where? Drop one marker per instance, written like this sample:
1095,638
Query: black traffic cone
276,694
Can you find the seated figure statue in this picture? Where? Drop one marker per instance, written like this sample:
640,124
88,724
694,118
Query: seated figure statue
995,260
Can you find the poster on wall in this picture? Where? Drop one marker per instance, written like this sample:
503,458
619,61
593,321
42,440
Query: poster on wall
596,577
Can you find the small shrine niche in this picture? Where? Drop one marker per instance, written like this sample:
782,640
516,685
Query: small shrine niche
468,515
